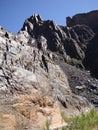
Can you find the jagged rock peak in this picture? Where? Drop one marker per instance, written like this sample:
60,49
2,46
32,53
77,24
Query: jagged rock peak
29,23
35,17
70,42
35,21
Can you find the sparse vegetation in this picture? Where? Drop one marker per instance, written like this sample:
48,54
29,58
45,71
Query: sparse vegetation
47,127
88,121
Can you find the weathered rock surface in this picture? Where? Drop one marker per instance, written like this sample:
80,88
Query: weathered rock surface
36,84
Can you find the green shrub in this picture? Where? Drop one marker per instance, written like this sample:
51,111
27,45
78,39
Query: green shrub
88,121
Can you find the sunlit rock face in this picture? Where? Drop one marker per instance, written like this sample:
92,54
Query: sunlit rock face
43,74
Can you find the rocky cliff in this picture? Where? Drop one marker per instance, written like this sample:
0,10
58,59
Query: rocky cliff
91,20
44,71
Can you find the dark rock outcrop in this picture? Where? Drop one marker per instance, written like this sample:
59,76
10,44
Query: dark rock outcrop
90,19
70,43
91,55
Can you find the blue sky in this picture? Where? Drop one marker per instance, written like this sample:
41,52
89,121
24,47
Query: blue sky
14,12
